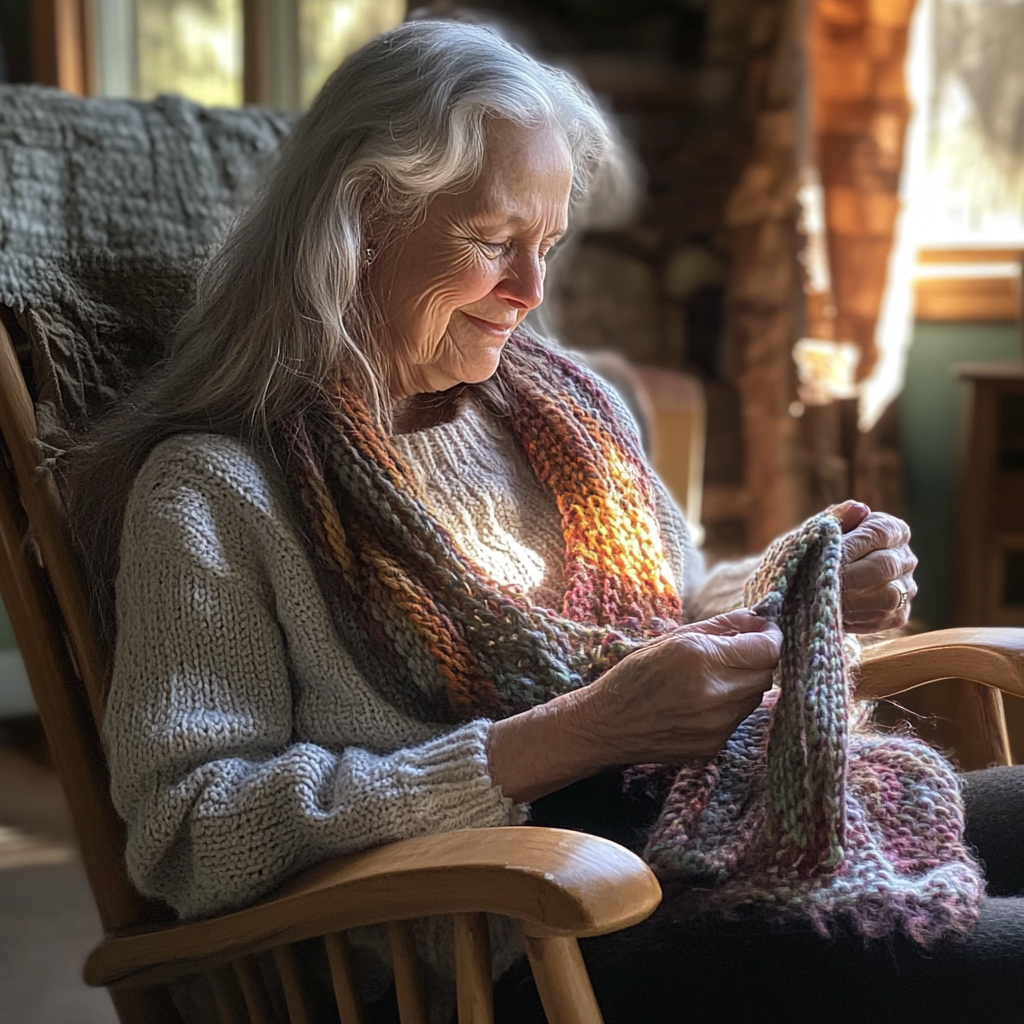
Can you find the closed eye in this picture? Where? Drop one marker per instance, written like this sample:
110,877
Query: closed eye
493,249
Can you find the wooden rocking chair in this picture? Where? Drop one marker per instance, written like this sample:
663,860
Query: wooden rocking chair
559,885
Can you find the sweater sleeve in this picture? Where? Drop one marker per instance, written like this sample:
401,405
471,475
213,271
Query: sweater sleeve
221,802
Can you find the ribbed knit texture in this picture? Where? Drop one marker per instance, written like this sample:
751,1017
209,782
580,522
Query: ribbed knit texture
806,812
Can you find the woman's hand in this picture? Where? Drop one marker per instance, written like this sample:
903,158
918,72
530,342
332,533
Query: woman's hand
679,697
878,568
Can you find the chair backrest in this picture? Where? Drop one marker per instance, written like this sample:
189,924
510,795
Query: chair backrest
680,426
64,653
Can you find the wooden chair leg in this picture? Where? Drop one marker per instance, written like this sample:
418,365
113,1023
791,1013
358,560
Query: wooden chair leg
562,981
473,969
291,981
340,959
257,1000
994,733
405,961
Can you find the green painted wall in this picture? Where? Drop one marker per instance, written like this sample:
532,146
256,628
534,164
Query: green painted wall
933,411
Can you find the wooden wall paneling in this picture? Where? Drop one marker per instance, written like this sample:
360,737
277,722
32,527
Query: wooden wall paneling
860,113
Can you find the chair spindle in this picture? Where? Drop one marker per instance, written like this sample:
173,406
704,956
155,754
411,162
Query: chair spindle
228,995
299,1011
339,955
254,989
405,961
562,980
473,969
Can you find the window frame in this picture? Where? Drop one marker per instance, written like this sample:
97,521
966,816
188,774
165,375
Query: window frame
976,288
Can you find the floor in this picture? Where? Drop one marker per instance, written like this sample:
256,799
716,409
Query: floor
48,922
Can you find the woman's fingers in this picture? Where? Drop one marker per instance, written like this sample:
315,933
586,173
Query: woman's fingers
878,574
877,532
741,620
850,514
879,568
882,607
754,651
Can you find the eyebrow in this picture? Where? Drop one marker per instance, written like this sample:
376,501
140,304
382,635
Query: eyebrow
513,220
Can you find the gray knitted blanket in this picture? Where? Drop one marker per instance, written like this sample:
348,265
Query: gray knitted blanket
107,209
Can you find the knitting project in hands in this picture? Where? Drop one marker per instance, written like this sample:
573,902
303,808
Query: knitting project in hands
808,813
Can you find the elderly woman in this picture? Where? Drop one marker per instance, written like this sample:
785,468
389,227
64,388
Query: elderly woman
344,505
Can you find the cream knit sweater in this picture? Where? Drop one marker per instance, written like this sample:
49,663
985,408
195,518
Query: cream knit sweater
243,743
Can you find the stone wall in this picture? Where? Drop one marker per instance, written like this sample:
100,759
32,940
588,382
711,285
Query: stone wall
709,276
675,76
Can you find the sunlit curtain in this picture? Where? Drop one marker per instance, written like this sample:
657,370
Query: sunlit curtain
963,173
974,185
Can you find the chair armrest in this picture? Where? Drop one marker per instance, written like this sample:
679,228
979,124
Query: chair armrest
555,882
991,656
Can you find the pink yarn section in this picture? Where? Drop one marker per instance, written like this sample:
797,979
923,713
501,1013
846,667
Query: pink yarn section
807,813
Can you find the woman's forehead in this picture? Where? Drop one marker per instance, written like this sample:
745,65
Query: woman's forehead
523,170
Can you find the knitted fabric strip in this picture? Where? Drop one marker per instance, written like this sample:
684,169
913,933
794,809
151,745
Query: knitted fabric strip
427,624
804,816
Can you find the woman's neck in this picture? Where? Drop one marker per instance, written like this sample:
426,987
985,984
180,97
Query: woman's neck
421,412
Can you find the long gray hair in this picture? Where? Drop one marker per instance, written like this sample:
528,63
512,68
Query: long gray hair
282,307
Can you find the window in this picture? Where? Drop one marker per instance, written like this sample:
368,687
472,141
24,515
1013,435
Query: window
975,159
969,195
200,48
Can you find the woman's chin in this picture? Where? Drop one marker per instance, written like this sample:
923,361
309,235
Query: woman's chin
483,366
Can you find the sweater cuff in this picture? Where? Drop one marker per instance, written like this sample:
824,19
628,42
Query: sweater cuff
450,780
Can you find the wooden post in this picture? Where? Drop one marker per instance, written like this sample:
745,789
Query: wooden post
256,74
59,54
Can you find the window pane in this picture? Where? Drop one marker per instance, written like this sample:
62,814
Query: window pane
190,47
330,29
976,130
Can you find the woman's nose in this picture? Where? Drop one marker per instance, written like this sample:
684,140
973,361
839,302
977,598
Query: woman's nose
523,286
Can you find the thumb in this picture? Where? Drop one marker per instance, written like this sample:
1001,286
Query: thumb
758,651
850,514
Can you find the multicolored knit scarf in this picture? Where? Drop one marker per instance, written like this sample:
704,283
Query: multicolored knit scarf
427,625
807,812
797,815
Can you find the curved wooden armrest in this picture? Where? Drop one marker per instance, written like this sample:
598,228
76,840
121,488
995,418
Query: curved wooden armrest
555,882
991,656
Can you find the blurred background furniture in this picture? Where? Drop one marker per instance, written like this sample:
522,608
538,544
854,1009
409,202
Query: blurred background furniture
990,529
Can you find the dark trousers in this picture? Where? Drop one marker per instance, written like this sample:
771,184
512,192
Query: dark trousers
665,972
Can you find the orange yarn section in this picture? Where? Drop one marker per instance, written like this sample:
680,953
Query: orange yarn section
426,624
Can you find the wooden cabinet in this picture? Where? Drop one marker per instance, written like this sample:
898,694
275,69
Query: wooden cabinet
990,535
990,529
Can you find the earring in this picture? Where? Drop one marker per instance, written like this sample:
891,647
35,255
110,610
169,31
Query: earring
371,255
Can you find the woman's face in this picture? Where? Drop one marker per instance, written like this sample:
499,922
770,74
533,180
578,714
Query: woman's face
454,289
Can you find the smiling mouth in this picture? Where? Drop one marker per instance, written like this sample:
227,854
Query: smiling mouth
488,326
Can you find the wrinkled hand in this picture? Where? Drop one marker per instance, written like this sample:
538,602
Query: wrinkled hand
682,695
878,568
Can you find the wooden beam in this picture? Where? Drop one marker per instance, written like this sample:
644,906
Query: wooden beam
59,44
